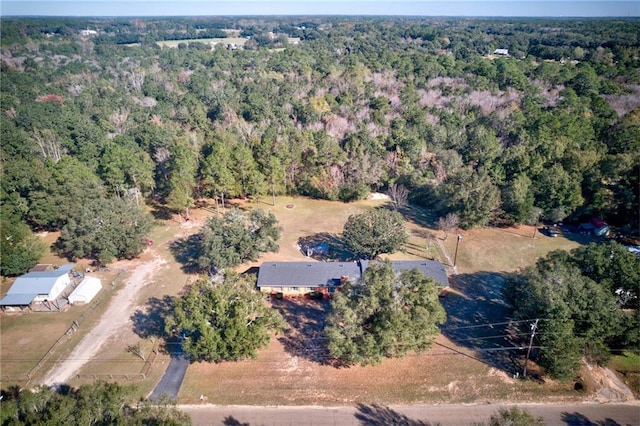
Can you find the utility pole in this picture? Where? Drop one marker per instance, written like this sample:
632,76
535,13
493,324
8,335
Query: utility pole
534,327
455,257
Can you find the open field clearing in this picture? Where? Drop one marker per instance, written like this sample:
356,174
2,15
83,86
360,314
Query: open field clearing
239,41
35,334
505,249
293,369
290,371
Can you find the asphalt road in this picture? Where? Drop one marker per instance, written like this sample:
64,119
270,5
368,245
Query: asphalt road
172,379
372,415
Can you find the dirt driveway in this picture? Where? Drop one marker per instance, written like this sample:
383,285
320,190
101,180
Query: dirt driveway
110,325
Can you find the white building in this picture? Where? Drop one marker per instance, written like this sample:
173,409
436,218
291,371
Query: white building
38,286
86,291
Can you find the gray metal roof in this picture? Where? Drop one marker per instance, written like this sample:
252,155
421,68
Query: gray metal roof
44,275
28,286
327,274
34,284
306,274
429,268
17,299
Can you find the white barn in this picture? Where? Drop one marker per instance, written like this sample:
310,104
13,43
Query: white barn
38,286
86,291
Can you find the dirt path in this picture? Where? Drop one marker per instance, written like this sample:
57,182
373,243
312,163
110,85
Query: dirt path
117,316
443,251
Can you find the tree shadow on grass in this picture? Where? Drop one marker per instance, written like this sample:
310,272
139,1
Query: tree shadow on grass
149,321
325,246
578,419
186,252
419,215
305,335
378,415
232,421
478,318
160,211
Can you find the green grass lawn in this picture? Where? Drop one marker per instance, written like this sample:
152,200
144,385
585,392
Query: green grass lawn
504,249
628,365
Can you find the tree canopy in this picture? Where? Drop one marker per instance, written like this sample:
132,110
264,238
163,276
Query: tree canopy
237,237
580,315
417,103
20,248
375,232
104,229
227,321
100,403
383,315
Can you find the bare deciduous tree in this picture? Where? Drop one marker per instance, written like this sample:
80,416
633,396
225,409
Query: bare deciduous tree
119,120
399,195
448,223
137,350
135,80
48,143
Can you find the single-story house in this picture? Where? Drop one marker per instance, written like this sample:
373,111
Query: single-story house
86,291
501,52
300,278
38,286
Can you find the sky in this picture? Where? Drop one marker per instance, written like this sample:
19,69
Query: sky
557,8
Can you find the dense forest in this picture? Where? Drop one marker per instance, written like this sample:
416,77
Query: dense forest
494,120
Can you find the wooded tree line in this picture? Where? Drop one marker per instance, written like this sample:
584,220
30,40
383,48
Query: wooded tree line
100,403
360,104
587,303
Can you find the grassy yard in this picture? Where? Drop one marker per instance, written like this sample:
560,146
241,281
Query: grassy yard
505,249
628,365
36,333
449,372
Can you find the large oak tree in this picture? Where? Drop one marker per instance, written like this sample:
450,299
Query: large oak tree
237,237
103,229
225,321
578,316
375,232
383,315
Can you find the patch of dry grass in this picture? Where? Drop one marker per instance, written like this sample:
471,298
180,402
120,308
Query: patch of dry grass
441,375
444,374
504,249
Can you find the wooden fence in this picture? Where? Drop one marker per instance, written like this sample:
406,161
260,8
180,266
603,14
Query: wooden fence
72,328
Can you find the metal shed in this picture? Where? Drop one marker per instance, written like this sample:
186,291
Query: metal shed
86,291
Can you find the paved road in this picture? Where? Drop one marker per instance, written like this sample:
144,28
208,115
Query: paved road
172,379
371,415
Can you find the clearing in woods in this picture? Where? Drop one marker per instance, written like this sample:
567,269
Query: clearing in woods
293,368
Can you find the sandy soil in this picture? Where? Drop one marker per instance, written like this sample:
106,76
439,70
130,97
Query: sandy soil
114,319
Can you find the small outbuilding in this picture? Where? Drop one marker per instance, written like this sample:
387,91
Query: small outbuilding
86,291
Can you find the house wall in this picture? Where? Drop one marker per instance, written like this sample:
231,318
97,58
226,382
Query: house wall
293,291
56,290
